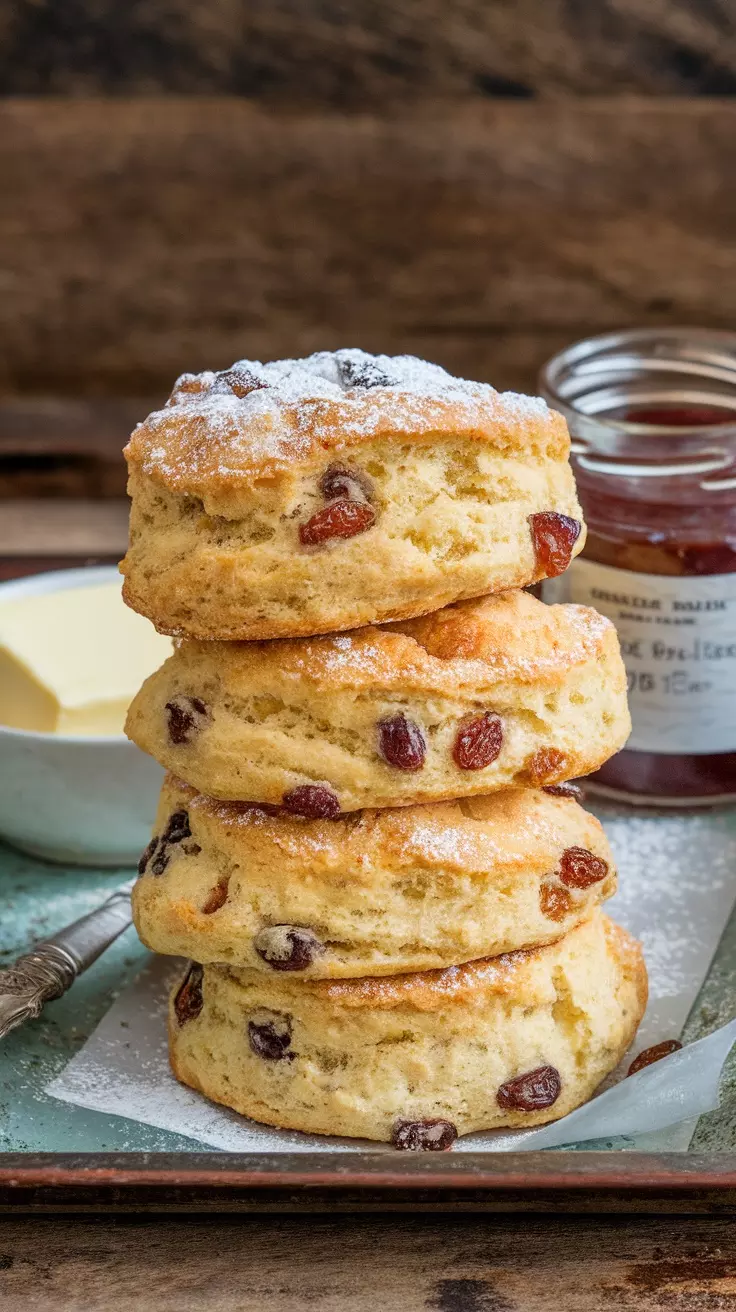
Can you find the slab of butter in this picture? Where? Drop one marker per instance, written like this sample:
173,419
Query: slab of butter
71,661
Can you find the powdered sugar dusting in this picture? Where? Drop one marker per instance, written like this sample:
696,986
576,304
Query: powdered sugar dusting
259,414
436,843
386,657
328,375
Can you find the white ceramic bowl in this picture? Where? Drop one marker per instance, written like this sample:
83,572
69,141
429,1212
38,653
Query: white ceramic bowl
79,800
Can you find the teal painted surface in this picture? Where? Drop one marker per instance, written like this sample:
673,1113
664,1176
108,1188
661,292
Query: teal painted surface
36,900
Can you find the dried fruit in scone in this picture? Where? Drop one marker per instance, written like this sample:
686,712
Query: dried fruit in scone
478,696
343,489
373,892
415,1060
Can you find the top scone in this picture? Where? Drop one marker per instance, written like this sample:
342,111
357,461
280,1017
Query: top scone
306,496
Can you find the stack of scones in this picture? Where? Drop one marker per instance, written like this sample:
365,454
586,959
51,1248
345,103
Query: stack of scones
367,843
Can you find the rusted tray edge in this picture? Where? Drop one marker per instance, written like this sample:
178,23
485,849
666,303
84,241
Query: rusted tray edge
504,1171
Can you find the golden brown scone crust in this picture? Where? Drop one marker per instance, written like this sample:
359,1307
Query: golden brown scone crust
382,892
285,714
222,485
208,439
361,1055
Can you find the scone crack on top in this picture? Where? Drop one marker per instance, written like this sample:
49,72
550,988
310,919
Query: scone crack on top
317,495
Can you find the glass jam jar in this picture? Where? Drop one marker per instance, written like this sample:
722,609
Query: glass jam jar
652,416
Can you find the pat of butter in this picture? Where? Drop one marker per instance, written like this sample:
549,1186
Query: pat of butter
71,661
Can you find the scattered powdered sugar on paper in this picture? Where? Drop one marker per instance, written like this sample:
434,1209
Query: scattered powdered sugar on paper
678,887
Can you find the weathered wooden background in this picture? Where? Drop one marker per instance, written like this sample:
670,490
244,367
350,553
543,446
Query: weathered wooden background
359,53
189,181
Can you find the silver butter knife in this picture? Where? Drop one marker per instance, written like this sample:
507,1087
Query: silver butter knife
53,965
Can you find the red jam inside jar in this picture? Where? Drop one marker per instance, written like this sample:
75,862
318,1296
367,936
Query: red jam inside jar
652,415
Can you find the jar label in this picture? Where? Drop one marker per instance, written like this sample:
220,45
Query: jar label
678,641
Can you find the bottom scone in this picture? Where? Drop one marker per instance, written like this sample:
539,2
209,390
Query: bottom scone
508,1041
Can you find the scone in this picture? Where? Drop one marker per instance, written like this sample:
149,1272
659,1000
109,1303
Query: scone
374,893
510,1041
479,696
306,496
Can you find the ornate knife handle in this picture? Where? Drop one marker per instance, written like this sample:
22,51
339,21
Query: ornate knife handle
53,965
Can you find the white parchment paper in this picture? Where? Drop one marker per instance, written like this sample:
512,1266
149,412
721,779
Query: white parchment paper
677,891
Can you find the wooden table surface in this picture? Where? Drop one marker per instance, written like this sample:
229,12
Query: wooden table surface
363,1263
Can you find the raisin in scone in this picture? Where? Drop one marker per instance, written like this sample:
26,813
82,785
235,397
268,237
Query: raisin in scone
511,1041
476,697
306,496
373,893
